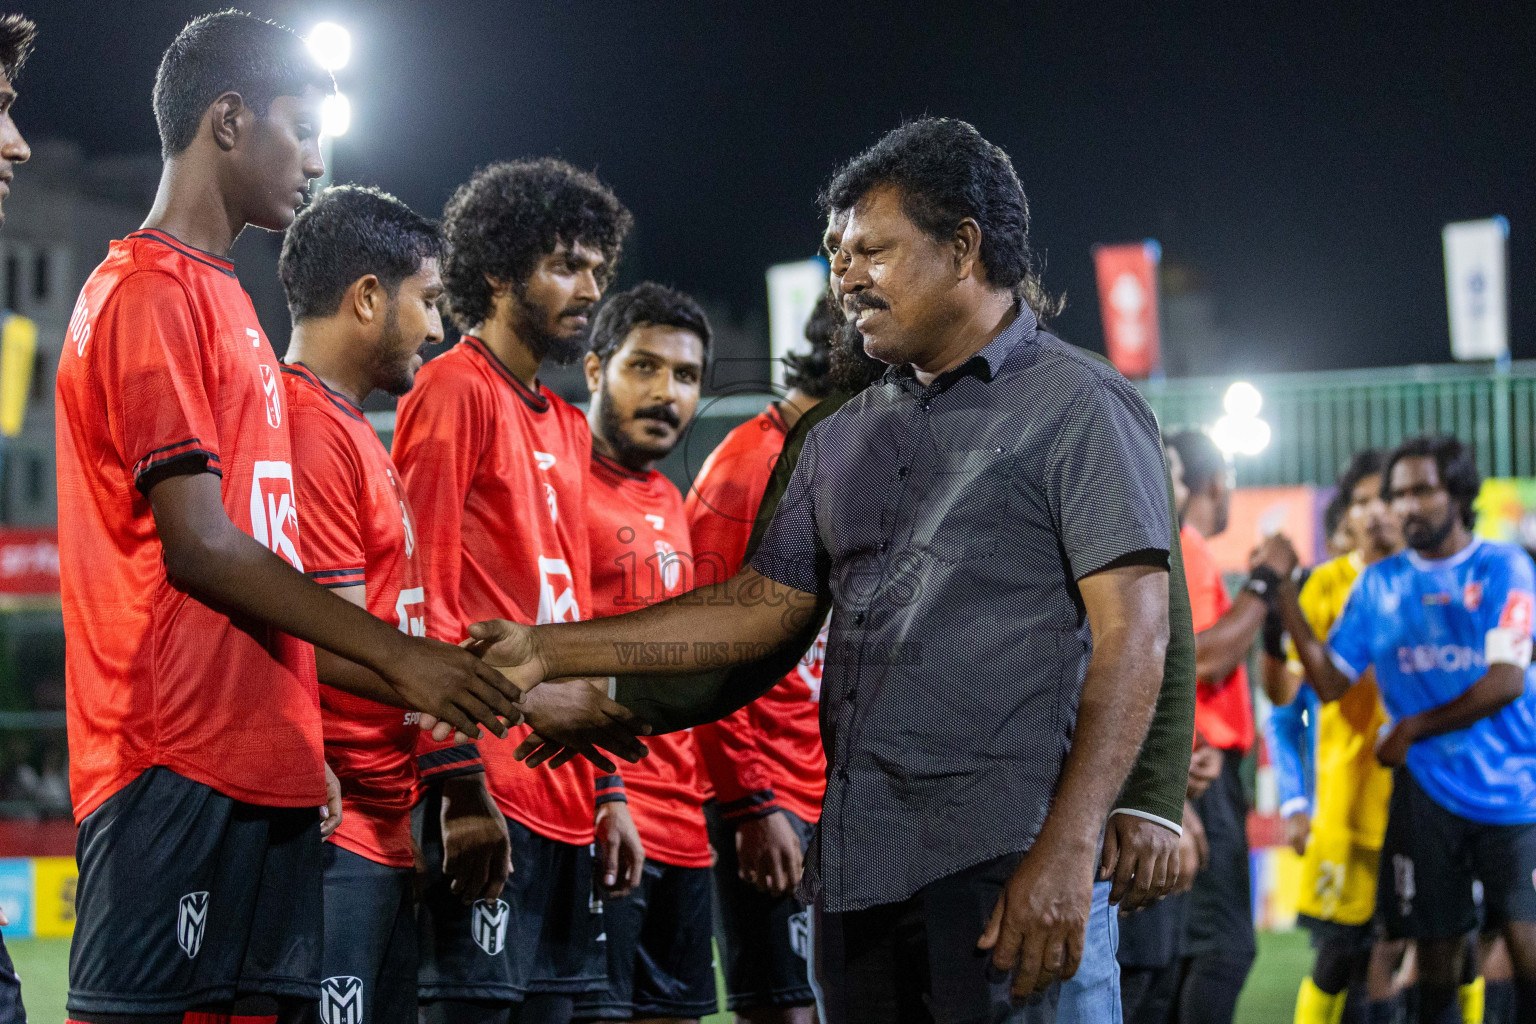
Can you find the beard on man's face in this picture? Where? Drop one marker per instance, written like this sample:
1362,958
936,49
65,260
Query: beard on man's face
627,451
540,332
394,357
1423,535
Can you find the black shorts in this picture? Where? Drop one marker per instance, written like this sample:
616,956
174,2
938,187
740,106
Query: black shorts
1347,938
187,896
1431,860
11,1010
368,969
1220,905
545,933
660,961
764,941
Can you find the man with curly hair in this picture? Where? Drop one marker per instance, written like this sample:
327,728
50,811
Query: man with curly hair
496,466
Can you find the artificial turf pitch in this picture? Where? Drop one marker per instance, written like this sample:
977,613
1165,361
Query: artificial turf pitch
43,965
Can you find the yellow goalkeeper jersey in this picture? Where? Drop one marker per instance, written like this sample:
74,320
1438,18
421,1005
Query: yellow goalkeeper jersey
1350,809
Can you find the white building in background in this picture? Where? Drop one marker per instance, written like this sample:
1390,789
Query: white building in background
62,211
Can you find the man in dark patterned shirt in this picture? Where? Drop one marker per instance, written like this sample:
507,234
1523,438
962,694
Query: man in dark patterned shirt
991,526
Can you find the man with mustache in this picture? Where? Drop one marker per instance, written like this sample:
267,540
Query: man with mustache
495,467
645,370
945,799
1445,627
16,34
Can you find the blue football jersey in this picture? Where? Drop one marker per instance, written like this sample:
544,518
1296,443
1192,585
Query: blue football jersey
1424,626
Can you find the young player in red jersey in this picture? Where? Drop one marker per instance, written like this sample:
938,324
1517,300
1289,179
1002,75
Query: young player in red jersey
16,35
496,466
362,278
766,760
649,346
194,725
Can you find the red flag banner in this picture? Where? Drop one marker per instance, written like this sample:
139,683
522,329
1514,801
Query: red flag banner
29,563
1127,279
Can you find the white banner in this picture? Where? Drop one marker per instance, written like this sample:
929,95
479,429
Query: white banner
793,289
1475,292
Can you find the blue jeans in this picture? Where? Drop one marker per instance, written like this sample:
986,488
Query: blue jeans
917,960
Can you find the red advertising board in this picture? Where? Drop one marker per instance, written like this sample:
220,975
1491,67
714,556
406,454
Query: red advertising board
29,563
1127,279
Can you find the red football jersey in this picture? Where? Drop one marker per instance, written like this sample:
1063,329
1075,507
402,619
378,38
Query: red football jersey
165,360
768,754
641,554
358,532
497,475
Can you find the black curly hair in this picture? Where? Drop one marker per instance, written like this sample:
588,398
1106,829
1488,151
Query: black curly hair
228,51
16,37
811,371
1455,461
646,303
1364,463
348,232
946,172
507,217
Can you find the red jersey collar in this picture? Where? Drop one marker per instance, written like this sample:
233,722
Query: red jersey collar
219,263
533,399
336,398
600,461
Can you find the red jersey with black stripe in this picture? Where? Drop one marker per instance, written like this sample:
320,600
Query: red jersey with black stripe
496,473
768,754
641,554
358,533
164,361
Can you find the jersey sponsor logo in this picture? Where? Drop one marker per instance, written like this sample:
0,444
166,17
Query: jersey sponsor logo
488,925
80,326
668,564
274,515
1435,600
800,934
1329,888
405,516
1402,883
341,1000
1517,612
1438,658
557,592
1472,595
543,460
812,664
412,625
191,920
657,523
254,335
269,388
553,502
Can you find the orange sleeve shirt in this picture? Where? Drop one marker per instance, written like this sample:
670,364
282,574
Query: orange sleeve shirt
165,361
496,475
1224,710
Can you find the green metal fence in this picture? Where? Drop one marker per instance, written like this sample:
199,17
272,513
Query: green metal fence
1319,419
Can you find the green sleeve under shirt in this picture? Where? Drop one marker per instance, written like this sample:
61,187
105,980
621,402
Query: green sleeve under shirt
1158,778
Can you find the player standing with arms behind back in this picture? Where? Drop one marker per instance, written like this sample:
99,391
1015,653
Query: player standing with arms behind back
495,467
649,347
194,722
1446,628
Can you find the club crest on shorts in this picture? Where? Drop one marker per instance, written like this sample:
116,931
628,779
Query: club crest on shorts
191,918
341,1000
488,925
800,934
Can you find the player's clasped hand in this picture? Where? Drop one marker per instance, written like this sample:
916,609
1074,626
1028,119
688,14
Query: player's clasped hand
570,717
1143,859
1040,924
768,854
330,814
454,686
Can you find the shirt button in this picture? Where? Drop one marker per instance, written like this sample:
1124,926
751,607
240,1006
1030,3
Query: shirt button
883,545
858,619
927,407
903,471
842,773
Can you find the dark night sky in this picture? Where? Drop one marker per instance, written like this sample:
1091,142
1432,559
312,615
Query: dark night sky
1302,163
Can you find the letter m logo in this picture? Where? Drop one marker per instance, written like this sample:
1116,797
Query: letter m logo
191,919
341,1000
488,925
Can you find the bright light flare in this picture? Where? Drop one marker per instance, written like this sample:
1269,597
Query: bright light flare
1243,401
335,115
330,44
1241,435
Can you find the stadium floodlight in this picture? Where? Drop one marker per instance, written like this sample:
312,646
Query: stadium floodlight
1243,401
331,45
335,115
1241,435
